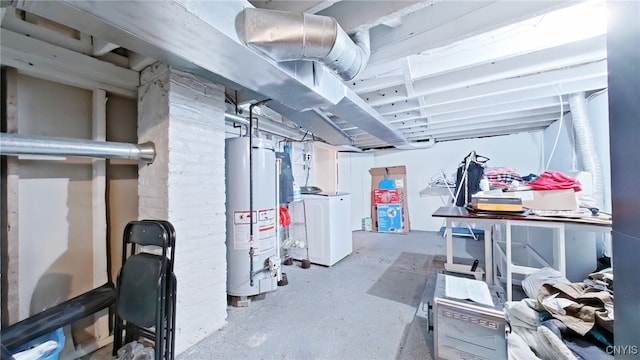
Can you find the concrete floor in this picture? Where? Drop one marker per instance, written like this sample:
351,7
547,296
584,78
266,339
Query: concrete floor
363,307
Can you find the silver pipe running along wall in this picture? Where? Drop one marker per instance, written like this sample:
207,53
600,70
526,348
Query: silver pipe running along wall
18,144
286,36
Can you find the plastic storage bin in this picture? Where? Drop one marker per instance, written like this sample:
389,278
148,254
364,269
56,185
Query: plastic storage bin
57,336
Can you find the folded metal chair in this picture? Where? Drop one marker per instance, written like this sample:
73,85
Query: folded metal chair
146,287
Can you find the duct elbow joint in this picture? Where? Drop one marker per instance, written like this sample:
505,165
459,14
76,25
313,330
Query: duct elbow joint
349,55
286,36
361,39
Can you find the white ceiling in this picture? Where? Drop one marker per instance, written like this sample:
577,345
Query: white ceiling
438,70
455,69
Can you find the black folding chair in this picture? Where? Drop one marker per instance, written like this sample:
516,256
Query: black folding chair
146,287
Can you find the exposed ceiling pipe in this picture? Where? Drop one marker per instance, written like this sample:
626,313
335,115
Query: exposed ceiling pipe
287,36
266,125
427,144
18,144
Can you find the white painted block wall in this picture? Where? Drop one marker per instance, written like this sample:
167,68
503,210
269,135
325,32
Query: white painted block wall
183,115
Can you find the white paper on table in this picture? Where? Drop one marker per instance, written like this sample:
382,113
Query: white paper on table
469,289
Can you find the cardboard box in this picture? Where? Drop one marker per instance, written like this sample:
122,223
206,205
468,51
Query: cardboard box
548,199
390,218
399,175
386,197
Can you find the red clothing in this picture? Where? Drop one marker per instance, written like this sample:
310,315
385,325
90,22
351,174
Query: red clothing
555,180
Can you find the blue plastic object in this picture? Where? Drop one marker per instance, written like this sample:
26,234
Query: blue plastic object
57,336
460,231
387,184
390,218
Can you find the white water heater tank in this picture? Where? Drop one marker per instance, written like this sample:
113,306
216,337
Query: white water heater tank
242,278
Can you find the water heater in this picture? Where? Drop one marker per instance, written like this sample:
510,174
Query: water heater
253,258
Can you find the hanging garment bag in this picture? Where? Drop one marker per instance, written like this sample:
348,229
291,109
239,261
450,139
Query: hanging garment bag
468,177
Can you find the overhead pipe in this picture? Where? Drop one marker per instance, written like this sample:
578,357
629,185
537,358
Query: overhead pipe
19,144
425,144
265,126
239,120
586,144
287,36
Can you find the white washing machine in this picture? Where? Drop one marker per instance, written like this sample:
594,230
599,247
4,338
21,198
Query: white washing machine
328,218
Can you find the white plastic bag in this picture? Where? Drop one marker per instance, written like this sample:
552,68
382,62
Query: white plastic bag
135,351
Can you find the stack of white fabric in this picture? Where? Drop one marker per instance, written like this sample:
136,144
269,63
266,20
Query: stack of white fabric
524,320
528,339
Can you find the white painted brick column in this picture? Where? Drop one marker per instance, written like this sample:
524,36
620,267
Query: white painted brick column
183,115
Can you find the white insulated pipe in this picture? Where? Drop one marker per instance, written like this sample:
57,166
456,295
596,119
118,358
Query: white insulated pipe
18,144
586,144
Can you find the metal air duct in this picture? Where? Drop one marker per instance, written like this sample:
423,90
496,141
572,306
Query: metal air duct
17,144
203,38
286,36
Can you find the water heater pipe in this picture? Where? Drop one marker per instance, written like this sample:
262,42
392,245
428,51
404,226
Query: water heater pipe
251,249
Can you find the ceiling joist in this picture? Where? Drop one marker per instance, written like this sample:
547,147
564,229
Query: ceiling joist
442,69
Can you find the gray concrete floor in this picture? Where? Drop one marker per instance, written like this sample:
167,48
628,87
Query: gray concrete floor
363,307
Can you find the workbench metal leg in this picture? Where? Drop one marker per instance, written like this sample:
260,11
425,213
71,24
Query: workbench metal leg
478,273
488,253
449,235
560,254
509,261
